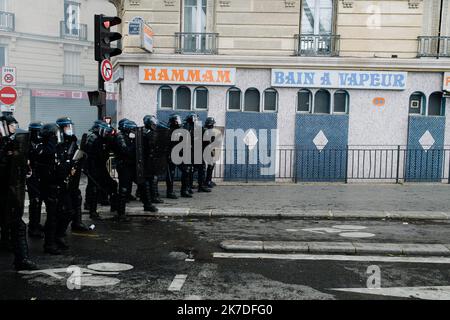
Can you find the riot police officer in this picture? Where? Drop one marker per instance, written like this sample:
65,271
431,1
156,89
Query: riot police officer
14,148
174,124
35,229
125,152
97,144
209,124
72,199
53,172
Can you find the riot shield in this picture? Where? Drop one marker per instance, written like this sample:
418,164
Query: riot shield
17,171
140,172
157,148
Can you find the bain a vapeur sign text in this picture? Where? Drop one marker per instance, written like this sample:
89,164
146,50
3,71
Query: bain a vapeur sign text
347,79
188,75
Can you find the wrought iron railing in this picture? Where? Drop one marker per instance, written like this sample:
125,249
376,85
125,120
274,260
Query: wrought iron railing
77,32
196,43
75,80
7,21
317,45
433,46
387,164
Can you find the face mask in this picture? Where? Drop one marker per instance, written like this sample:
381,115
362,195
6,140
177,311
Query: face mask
132,135
12,128
68,131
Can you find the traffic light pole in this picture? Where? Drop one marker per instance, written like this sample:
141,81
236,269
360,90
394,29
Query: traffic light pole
101,107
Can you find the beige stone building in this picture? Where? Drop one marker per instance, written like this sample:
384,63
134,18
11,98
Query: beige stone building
50,43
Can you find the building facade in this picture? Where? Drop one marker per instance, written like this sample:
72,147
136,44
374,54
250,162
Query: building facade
343,90
50,44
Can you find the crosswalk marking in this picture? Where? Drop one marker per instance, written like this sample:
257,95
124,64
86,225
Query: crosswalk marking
177,282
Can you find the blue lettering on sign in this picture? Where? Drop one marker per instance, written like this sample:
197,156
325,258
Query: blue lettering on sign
290,79
279,77
325,80
309,78
375,80
363,78
399,80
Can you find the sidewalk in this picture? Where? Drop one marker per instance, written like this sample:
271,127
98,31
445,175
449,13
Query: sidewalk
318,201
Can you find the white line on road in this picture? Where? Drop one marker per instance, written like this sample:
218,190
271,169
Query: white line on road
426,293
178,282
435,260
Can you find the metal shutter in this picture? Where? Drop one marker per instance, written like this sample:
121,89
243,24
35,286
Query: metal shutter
49,109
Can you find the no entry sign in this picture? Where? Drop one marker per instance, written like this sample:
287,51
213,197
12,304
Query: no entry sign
8,95
106,70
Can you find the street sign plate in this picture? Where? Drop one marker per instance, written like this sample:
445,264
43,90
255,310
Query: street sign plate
8,95
106,70
8,76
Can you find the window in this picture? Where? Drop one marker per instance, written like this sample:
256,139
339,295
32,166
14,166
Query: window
201,98
322,102
183,98
194,22
270,100
234,99
304,99
341,101
2,56
4,5
251,100
72,18
72,65
317,17
165,97
417,103
436,104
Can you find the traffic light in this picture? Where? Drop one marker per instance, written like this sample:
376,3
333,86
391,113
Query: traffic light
104,37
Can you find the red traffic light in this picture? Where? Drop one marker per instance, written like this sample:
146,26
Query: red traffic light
106,24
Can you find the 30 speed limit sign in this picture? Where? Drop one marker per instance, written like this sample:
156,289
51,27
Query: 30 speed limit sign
106,70
8,76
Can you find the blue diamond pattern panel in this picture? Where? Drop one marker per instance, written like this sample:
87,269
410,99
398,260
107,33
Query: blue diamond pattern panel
425,150
245,164
321,147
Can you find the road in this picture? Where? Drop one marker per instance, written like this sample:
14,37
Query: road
175,259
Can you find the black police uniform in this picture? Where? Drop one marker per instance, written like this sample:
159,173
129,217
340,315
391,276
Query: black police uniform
209,124
35,229
99,143
125,154
14,148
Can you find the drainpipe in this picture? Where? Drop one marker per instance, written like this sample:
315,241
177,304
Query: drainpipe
440,28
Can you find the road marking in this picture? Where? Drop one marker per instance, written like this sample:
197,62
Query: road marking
111,267
357,235
426,293
346,231
433,260
177,282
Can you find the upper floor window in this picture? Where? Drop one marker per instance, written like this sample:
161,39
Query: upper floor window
2,56
4,5
317,17
165,97
234,99
417,102
195,16
71,18
252,100
436,104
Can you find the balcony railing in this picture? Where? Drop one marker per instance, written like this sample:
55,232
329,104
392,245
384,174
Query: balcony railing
196,43
73,80
77,32
433,46
317,45
7,21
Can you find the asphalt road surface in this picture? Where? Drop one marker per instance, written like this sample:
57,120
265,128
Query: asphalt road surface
175,259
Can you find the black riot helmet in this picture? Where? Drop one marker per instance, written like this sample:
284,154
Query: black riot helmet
35,131
50,132
8,125
191,119
103,128
129,126
175,121
151,122
121,122
65,124
210,122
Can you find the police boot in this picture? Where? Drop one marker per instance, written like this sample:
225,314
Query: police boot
171,195
114,200
35,230
61,229
202,188
122,206
77,223
154,191
146,196
21,258
50,232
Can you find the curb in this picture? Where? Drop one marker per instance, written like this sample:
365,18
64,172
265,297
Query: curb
414,249
297,214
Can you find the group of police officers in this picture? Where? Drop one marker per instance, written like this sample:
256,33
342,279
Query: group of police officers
47,161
